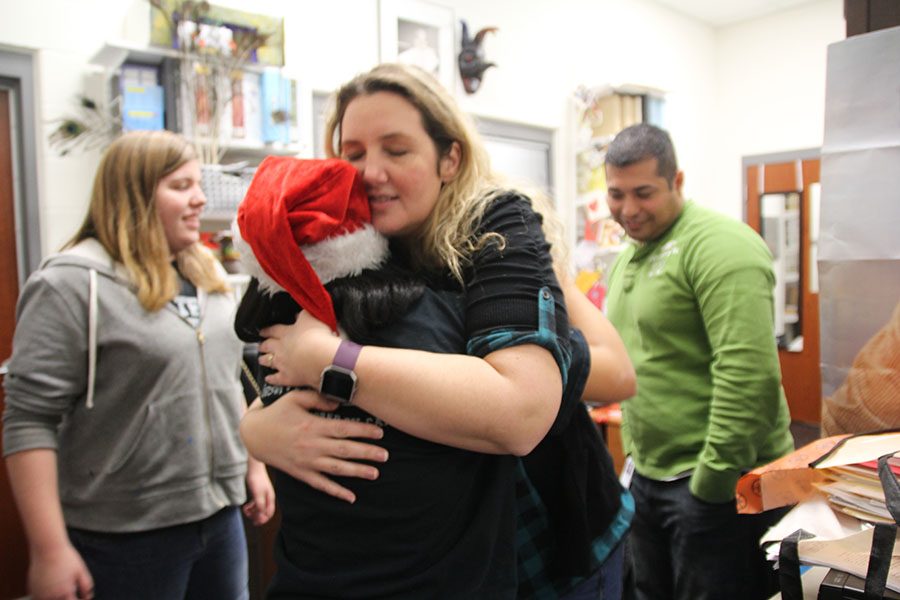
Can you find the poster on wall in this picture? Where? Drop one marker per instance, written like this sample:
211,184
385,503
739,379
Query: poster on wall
858,245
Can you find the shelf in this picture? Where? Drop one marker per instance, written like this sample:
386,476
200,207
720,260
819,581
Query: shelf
252,151
111,56
108,61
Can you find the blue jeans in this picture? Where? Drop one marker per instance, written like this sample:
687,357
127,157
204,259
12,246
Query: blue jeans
202,560
606,583
684,548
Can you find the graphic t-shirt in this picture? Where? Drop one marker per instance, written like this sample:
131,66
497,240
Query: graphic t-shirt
186,303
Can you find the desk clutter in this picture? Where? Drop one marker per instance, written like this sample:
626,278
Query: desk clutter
847,508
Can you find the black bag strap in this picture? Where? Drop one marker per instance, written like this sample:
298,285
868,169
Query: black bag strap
789,566
890,485
884,535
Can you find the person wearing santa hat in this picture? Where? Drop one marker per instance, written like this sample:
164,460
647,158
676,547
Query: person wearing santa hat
451,221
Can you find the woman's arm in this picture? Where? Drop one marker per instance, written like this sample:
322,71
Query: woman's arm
306,447
260,505
57,570
612,377
502,401
502,404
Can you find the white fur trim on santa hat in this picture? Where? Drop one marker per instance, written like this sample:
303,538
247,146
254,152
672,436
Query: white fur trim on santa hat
348,254
336,257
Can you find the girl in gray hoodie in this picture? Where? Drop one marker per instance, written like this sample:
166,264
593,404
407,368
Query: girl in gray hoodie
123,396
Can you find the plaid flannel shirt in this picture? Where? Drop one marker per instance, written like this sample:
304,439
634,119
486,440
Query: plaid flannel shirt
533,542
545,336
533,536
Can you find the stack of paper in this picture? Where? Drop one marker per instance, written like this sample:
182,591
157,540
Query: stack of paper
850,555
851,481
856,490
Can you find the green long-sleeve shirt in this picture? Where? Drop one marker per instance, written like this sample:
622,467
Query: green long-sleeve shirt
694,308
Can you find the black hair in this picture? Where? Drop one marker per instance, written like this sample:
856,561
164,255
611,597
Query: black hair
640,142
362,303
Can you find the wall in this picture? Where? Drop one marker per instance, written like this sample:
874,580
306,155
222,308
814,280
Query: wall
770,90
543,50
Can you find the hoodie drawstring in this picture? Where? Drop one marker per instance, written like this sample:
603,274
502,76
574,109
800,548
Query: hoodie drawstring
92,336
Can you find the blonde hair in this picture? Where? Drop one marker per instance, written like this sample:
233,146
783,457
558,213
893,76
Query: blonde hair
448,236
122,216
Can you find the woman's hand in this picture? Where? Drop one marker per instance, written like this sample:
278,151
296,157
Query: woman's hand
306,446
298,352
57,571
59,574
261,505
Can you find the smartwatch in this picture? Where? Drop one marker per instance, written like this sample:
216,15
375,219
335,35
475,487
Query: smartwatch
338,380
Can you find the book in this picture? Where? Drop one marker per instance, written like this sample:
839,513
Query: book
250,92
275,95
143,99
237,105
294,107
170,77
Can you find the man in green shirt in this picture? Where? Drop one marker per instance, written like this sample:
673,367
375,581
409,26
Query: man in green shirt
692,300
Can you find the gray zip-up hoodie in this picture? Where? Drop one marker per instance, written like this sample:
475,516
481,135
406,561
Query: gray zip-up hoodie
142,408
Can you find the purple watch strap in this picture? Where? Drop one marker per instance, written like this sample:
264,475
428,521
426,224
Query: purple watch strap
346,355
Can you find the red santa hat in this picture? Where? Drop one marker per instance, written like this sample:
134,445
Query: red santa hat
304,223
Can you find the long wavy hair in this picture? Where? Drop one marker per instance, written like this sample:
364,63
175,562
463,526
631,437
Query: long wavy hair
122,216
448,238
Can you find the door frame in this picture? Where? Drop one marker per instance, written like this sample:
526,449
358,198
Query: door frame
17,74
801,371
17,78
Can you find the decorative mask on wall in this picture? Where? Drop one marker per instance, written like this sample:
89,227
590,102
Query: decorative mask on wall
472,64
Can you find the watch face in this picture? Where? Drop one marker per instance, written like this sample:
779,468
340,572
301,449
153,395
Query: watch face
338,384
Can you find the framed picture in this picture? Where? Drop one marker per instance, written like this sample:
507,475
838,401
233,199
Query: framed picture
422,34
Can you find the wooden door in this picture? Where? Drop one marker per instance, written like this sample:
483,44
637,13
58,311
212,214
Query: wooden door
13,549
801,371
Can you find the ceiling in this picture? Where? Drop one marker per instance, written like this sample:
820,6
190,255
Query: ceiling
719,13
